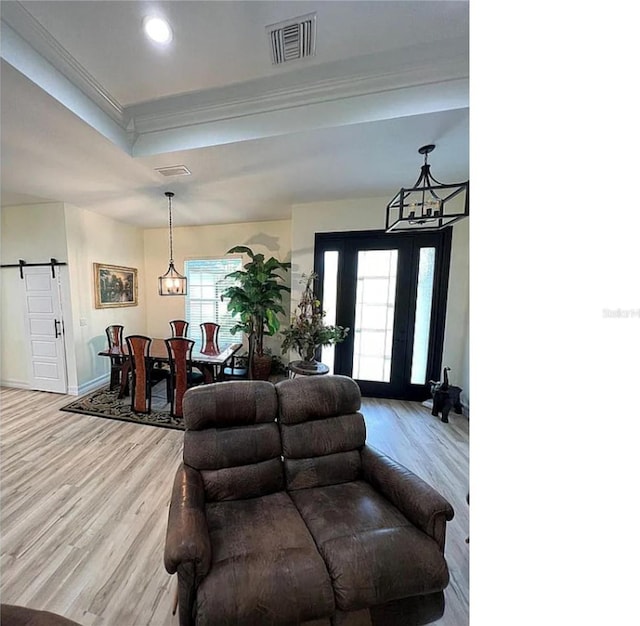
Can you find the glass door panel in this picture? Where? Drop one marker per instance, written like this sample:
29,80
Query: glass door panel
390,290
374,315
424,295
329,301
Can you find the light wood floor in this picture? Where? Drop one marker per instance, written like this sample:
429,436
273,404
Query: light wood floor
84,504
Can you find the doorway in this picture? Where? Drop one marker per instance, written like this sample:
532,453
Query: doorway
44,329
391,291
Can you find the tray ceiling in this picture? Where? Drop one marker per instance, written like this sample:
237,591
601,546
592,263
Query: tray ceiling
387,77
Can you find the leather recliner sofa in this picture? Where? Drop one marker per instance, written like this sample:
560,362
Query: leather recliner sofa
13,615
282,514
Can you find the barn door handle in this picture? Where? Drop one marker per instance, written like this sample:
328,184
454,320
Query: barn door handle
55,325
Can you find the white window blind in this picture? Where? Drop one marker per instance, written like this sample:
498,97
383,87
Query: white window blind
203,303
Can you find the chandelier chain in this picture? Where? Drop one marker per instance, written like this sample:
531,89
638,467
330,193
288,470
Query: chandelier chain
170,234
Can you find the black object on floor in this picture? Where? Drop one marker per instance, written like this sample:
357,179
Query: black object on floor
445,397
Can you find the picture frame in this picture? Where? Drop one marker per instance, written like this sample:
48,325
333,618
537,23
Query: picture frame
114,286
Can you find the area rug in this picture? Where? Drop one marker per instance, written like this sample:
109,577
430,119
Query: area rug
105,403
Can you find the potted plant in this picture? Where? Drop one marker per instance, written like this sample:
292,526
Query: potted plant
307,332
257,300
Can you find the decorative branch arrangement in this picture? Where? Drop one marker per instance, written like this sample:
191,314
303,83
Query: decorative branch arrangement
307,331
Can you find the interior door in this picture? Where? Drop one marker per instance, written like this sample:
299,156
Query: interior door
390,290
45,330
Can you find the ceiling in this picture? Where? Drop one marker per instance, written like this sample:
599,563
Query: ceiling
89,107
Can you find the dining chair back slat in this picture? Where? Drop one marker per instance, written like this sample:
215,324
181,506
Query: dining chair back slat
114,335
182,376
144,375
179,328
114,340
209,332
138,346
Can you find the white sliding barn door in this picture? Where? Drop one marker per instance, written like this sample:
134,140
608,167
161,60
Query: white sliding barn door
44,330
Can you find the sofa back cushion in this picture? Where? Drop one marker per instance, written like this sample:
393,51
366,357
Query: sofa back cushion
322,430
232,438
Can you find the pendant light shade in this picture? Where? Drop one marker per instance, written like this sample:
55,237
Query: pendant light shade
171,283
429,204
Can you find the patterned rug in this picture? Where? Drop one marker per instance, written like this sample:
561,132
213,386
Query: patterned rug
105,403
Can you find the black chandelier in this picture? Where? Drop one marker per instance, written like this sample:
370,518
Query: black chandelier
171,283
429,204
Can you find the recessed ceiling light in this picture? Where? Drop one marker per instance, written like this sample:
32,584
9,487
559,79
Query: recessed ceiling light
158,30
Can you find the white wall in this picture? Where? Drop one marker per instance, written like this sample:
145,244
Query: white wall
456,335
94,238
369,214
78,237
271,238
328,217
34,233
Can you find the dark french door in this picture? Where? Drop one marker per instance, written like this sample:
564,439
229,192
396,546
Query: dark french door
391,291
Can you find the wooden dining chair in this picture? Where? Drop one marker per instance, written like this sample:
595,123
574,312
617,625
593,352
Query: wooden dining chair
209,332
144,375
235,368
182,374
114,340
179,328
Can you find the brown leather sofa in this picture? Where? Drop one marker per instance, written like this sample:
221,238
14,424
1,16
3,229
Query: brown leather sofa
12,615
281,514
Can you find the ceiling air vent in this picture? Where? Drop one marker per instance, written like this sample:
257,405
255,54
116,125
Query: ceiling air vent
173,170
292,39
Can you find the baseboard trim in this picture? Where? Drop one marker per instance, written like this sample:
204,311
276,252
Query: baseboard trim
90,386
17,384
87,387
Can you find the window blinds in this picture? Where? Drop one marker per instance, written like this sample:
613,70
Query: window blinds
203,303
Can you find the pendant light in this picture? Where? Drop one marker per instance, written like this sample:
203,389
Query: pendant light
429,204
171,283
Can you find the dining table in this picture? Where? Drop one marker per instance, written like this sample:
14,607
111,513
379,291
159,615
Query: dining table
208,358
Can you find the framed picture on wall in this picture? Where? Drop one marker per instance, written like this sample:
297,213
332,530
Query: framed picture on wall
114,286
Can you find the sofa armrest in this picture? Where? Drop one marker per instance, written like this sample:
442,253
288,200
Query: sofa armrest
420,503
187,533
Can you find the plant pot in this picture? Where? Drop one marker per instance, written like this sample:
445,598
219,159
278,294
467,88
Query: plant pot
261,367
311,366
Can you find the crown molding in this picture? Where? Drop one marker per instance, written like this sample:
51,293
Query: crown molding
370,74
146,118
405,102
15,15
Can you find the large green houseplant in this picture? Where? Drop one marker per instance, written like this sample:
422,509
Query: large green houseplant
257,299
307,331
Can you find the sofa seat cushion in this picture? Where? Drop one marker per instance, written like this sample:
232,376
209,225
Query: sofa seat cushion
265,567
373,553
